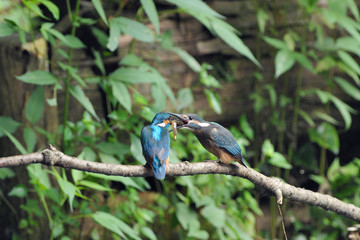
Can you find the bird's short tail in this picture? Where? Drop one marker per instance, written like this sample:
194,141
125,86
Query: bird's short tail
159,169
240,159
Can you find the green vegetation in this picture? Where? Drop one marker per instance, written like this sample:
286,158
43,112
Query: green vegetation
72,204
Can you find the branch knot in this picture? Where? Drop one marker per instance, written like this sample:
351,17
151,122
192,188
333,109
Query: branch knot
51,155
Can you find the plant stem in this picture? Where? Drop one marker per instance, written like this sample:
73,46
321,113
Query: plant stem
73,18
322,163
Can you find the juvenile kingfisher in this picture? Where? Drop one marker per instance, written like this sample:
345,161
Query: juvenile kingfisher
155,141
214,138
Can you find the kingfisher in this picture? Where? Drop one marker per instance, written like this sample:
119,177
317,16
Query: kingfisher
155,141
213,137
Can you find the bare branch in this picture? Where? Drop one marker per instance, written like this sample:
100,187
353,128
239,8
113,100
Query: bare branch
280,189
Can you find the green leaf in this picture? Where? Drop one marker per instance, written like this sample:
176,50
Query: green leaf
121,93
284,60
101,37
159,97
185,215
323,96
185,98
135,29
148,232
348,88
272,94
69,189
9,124
216,216
354,9
39,176
132,60
344,110
73,42
232,39
187,58
207,79
38,77
6,173
19,191
114,35
136,149
107,158
151,12
52,8
35,106
77,175
114,148
94,185
78,93
307,118
87,154
304,61
100,10
17,144
279,160
6,29
114,224
333,170
58,35
276,43
349,44
246,128
349,72
349,61
197,7
133,75
35,8
262,17
326,117
267,148
326,136
30,139
128,182
99,63
214,100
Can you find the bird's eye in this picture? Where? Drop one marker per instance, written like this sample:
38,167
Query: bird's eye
190,118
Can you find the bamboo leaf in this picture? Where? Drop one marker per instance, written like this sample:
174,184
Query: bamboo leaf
38,77
348,88
348,60
100,10
121,93
35,106
17,144
213,100
30,139
9,124
52,8
6,29
152,13
114,224
78,93
284,60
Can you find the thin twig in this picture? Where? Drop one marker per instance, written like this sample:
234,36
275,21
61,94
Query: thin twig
282,221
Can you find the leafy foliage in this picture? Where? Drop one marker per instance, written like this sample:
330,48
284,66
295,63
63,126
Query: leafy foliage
197,207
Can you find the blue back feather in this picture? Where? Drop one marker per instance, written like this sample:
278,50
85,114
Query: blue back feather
155,142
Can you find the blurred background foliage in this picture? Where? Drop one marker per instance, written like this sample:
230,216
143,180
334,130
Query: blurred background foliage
86,76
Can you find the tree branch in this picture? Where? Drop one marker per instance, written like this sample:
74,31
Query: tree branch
53,157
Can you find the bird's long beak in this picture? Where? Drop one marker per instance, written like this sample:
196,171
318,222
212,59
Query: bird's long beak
177,121
180,120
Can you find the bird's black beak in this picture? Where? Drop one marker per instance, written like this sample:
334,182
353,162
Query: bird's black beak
176,121
180,120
